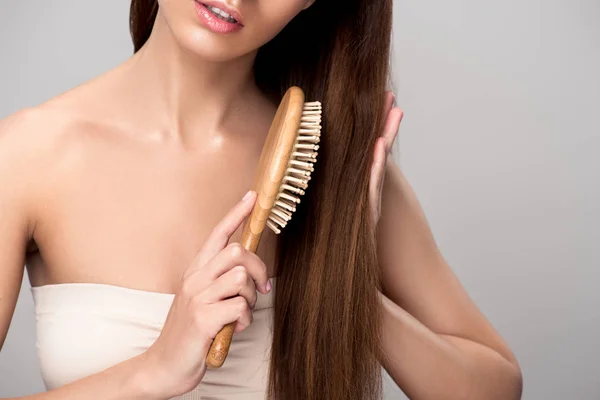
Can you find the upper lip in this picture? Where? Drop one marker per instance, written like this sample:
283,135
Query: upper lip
229,10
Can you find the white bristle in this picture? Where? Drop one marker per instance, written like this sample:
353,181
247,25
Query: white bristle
292,189
289,197
298,182
299,154
313,139
282,205
273,227
314,132
279,213
303,164
299,168
298,171
277,219
306,146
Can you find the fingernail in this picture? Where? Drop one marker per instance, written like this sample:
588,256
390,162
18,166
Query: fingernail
269,285
247,195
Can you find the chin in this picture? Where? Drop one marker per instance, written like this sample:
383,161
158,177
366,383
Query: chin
208,47
190,29
196,39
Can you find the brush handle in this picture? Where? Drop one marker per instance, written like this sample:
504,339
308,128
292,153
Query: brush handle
220,347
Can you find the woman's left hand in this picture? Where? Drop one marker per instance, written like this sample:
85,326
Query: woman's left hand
392,117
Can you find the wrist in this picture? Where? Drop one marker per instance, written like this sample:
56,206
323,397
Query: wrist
145,382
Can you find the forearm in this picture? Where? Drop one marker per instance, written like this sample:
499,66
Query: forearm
126,380
429,366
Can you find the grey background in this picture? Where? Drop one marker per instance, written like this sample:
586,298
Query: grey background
499,141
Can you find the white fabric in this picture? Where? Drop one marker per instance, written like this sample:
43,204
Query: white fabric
84,328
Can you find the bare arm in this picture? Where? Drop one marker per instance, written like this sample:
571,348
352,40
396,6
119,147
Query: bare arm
15,226
126,380
437,342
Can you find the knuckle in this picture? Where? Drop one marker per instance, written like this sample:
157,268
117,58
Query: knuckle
240,275
236,250
219,230
186,289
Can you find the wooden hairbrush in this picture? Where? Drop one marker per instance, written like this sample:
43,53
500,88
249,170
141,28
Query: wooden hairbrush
284,169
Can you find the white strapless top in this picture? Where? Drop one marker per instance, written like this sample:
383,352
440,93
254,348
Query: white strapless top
84,328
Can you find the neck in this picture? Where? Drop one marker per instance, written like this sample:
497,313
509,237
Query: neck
186,96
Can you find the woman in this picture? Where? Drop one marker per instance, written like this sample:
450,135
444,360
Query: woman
119,202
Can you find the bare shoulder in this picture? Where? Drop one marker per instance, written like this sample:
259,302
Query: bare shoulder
36,138
28,136
35,143
28,123
26,143
24,137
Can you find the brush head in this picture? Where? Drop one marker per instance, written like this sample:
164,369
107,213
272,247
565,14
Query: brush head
286,162
300,166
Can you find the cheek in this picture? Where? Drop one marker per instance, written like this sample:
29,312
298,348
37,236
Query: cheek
173,10
179,16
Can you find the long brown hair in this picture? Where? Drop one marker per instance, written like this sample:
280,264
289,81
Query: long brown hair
327,311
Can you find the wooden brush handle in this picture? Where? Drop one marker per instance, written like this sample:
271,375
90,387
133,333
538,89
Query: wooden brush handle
220,347
272,168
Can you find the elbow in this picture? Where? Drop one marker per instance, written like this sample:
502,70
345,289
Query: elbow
502,376
515,381
505,383
508,382
513,377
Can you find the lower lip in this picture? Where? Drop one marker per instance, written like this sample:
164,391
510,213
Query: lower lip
213,23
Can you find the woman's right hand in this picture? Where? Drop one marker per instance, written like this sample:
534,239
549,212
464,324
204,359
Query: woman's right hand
218,288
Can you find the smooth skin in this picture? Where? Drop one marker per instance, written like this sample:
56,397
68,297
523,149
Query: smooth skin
219,287
113,182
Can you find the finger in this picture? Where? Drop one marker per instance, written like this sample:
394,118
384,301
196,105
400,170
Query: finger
239,307
387,104
381,171
235,309
235,282
392,126
381,182
230,257
221,233
376,173
376,168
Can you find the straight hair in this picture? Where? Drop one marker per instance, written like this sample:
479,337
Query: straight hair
327,310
